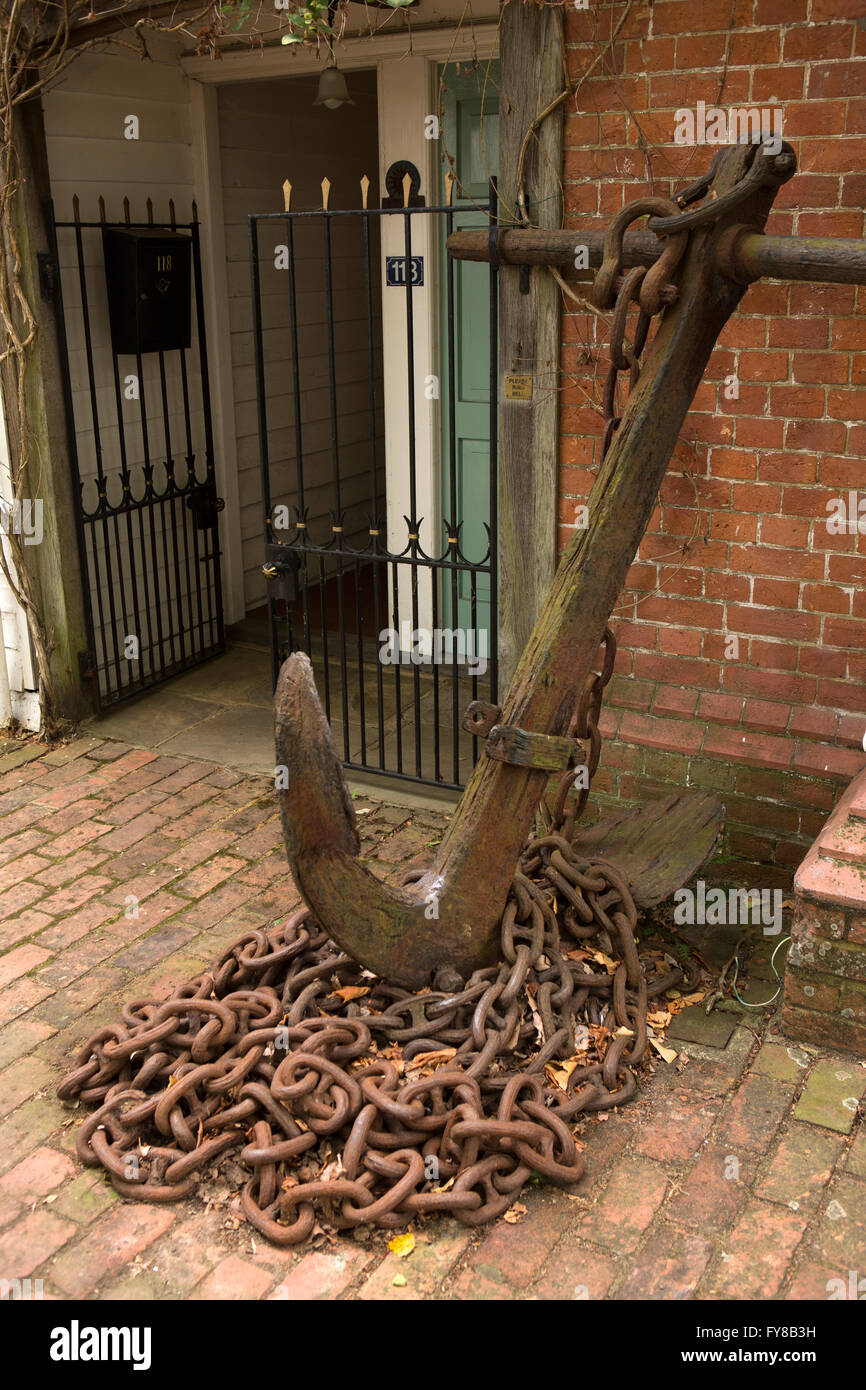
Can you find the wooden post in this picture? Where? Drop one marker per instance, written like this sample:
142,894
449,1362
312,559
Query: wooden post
54,564
531,77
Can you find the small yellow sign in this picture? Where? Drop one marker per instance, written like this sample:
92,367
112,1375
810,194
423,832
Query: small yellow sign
518,388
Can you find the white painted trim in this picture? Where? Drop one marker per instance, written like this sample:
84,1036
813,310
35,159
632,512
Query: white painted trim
5,693
207,173
406,96
442,45
18,695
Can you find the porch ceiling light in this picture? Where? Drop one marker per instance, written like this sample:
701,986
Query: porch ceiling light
333,91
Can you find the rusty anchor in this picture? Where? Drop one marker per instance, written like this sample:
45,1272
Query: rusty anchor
450,917
270,1056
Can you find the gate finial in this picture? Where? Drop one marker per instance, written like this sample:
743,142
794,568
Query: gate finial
287,196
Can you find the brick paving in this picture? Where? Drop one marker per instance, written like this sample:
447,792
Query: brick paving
739,1173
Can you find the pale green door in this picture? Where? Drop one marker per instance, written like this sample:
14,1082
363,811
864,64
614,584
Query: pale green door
469,133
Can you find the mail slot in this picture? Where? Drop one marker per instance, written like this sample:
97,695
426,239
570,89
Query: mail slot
148,277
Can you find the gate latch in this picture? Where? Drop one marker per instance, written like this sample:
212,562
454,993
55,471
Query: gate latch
205,506
281,568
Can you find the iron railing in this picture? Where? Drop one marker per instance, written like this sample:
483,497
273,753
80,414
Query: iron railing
146,519
340,567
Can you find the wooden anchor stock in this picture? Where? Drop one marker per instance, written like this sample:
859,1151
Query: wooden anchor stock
451,916
743,254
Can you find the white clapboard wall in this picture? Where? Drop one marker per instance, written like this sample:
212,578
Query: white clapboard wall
87,120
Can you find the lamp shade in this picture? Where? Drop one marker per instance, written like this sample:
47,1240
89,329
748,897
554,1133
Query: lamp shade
333,91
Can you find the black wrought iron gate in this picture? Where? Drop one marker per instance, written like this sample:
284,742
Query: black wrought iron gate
142,458
396,613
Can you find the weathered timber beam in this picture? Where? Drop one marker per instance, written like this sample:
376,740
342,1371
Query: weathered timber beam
529,340
747,256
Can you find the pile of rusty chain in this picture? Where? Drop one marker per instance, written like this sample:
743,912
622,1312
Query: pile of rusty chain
351,1101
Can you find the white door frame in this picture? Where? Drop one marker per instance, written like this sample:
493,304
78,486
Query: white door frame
406,95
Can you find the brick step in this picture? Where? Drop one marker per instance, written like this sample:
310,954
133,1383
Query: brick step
825,978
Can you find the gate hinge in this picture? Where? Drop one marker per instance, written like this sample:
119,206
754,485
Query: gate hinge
49,281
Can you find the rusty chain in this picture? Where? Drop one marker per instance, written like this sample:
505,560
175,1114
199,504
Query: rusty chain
350,1100
620,291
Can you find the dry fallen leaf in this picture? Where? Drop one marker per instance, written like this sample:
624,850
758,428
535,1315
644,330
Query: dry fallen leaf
559,1073
515,1214
666,1053
431,1059
351,992
403,1245
660,1019
443,1187
332,1170
684,1000
536,1016
601,959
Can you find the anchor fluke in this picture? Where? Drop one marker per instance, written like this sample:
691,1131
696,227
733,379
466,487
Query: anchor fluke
403,934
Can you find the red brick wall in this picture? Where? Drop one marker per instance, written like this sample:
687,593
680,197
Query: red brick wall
739,543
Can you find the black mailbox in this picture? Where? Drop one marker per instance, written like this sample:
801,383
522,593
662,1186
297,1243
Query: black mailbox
147,272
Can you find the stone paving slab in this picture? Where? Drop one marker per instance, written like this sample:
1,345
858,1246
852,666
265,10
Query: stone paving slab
740,1172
